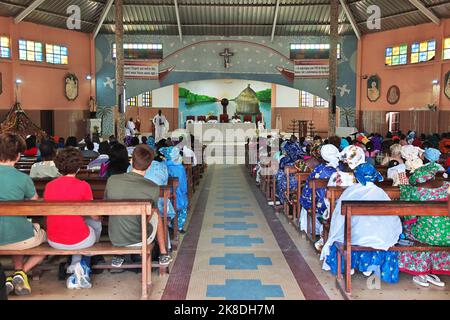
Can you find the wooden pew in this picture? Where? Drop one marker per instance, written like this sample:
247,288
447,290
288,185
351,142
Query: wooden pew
91,208
190,181
383,208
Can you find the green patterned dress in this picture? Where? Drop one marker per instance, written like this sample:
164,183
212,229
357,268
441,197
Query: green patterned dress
434,231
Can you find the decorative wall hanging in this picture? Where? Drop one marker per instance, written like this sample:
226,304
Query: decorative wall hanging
447,85
373,88
71,86
393,95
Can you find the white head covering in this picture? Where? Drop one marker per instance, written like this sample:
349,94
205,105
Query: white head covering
353,156
411,155
330,154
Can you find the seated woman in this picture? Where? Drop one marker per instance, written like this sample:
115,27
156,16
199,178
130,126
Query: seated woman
292,152
176,170
46,168
118,162
431,230
378,232
393,154
103,150
17,233
67,232
412,156
328,164
31,150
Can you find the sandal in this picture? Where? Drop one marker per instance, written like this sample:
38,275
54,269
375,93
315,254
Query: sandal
421,281
434,279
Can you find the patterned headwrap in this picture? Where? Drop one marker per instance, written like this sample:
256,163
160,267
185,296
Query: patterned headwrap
432,154
354,156
424,173
175,155
396,149
315,151
366,172
411,155
293,150
151,143
165,151
410,137
330,154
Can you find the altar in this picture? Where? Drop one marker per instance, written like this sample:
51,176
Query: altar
226,133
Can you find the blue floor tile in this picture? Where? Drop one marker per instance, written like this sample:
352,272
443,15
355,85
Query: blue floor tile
237,241
234,214
235,289
240,261
229,225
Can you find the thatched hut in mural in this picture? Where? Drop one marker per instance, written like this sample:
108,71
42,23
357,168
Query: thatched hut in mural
18,122
247,103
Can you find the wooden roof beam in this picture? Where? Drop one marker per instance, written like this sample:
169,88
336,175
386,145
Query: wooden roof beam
27,11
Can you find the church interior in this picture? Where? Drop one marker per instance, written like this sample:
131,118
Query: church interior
224,149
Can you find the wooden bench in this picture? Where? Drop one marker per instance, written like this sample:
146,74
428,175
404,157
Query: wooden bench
383,208
91,208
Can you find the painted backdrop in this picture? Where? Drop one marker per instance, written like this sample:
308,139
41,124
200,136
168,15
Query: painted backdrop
203,98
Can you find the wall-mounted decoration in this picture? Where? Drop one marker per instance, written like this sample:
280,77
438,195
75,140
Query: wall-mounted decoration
373,88
447,85
71,86
393,95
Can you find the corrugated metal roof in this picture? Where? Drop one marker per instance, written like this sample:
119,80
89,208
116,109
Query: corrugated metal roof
228,17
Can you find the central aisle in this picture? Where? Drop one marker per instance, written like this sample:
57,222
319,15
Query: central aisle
236,248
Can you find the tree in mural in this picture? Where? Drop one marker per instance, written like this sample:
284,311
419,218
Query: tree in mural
348,113
102,114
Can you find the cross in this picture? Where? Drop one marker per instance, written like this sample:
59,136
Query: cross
226,54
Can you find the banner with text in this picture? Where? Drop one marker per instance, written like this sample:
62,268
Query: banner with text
146,70
312,69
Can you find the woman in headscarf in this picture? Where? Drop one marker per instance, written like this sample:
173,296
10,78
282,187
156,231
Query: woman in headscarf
435,231
412,158
378,232
151,143
174,162
433,155
293,152
329,163
394,154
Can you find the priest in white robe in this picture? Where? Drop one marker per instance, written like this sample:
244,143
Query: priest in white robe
161,126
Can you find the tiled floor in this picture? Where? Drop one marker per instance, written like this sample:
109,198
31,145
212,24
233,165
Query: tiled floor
236,247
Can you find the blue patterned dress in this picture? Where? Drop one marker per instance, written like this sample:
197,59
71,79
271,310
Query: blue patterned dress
294,153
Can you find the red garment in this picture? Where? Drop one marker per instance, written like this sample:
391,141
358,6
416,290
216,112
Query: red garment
67,229
417,143
31,152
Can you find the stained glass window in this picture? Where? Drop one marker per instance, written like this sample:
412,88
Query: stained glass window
56,54
140,50
30,51
446,54
5,47
132,102
312,51
423,51
321,103
146,99
396,55
306,99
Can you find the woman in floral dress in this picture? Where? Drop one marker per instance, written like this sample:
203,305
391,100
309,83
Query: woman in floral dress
293,152
430,230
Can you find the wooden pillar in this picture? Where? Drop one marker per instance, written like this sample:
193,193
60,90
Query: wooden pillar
120,80
334,36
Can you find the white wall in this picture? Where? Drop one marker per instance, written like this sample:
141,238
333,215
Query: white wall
287,97
163,97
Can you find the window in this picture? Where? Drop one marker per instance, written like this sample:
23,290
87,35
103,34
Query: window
306,99
321,103
140,51
301,51
146,99
132,102
423,51
30,51
397,55
56,54
446,54
5,47
393,121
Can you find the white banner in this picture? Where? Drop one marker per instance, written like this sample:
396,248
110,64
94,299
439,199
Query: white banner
311,70
141,70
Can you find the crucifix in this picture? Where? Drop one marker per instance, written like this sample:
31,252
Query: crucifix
226,54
